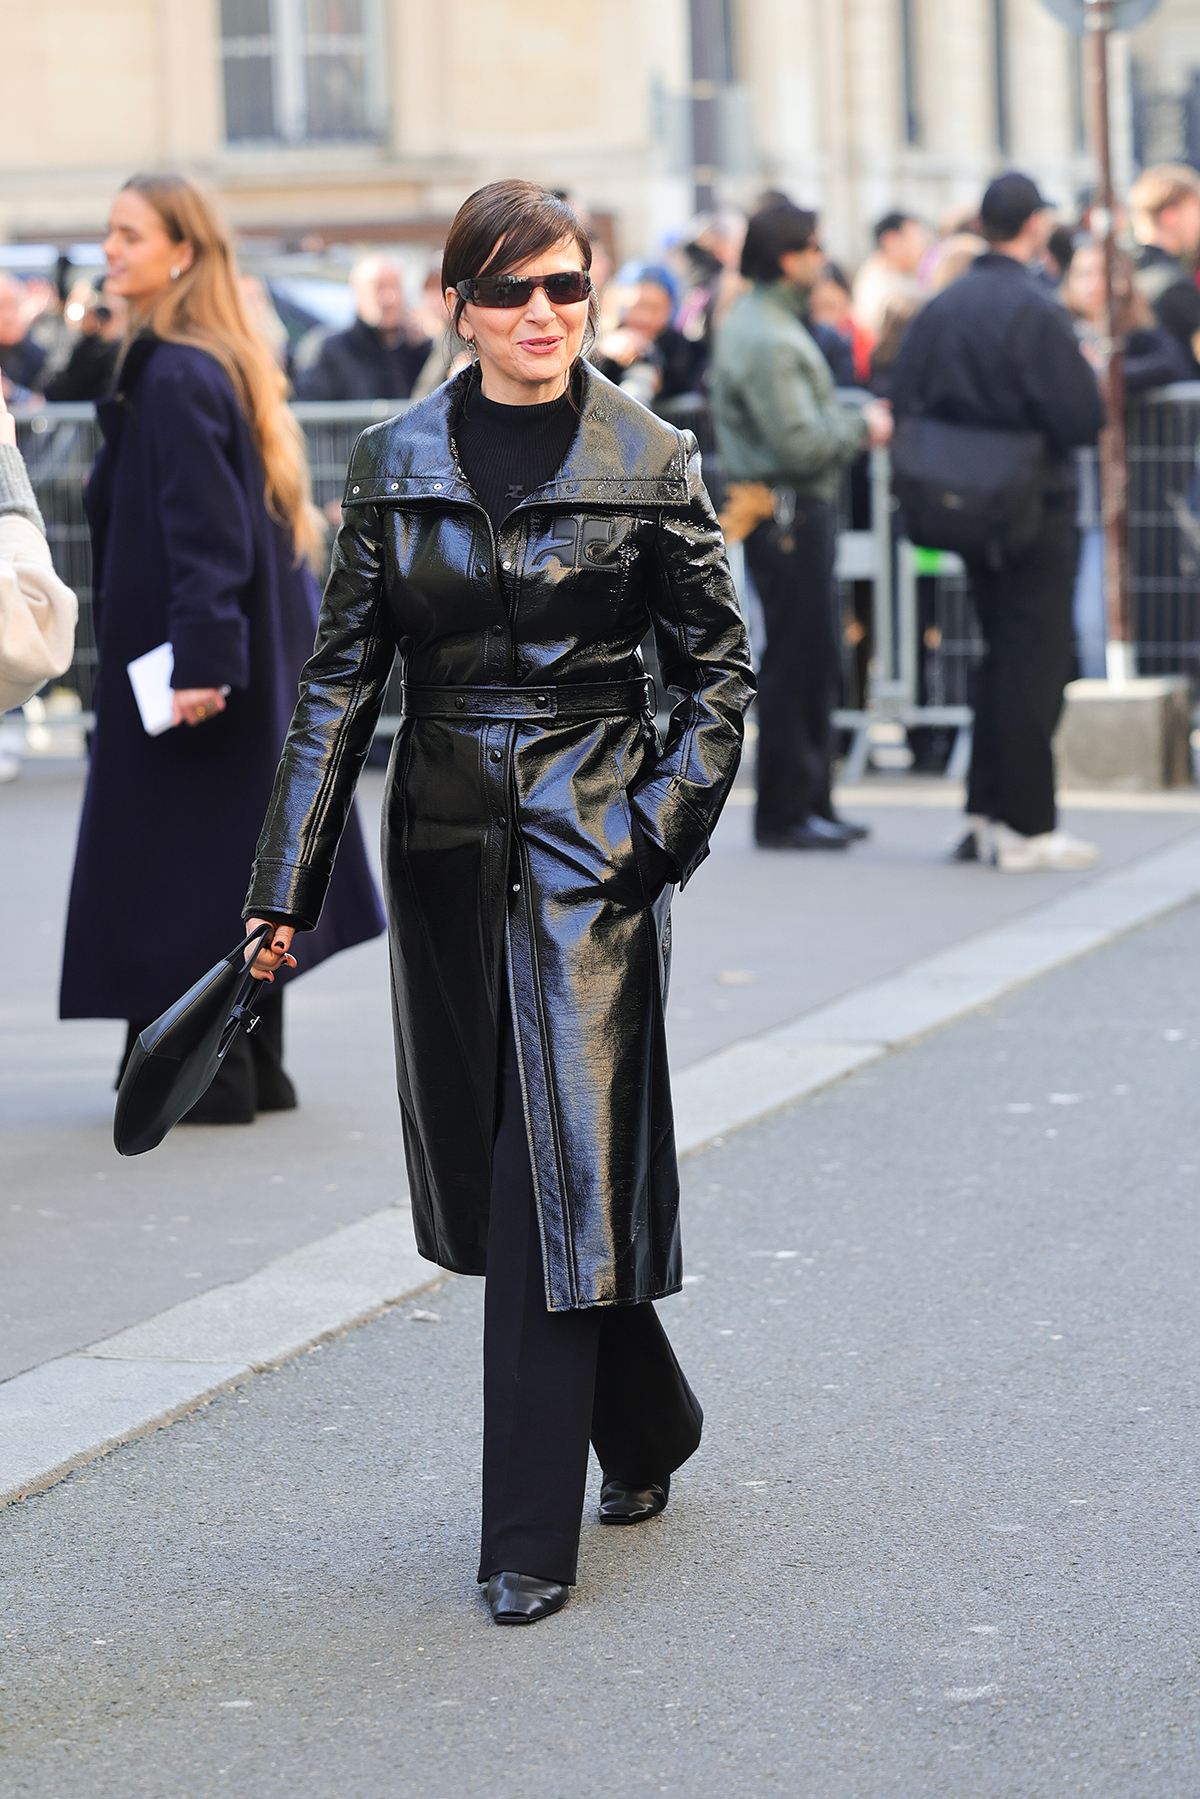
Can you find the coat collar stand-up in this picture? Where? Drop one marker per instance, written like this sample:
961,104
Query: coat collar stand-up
508,841
605,463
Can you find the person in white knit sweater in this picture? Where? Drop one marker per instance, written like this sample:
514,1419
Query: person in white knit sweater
37,610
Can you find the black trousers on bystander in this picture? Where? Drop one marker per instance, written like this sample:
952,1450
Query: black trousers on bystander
792,568
1017,691
554,1380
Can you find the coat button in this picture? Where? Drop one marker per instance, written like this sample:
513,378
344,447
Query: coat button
355,490
542,700
497,630
395,486
497,756
481,571
506,565
501,823
437,487
516,886
461,704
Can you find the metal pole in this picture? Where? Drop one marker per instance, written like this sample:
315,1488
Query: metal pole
881,667
1121,653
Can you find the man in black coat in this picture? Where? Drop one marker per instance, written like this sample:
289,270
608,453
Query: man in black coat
379,356
994,350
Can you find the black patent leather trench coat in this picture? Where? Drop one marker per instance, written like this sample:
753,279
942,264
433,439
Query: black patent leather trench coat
507,845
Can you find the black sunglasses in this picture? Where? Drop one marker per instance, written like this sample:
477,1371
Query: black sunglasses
566,289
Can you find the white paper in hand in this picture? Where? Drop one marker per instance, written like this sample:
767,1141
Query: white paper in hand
150,678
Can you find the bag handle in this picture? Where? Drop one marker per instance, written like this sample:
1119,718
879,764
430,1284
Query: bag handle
244,1016
263,930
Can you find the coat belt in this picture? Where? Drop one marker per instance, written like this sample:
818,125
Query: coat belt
598,699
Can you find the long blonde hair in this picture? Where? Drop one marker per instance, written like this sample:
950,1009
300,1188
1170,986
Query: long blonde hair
204,308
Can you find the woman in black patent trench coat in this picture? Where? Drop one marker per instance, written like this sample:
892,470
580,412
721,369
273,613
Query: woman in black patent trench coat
524,780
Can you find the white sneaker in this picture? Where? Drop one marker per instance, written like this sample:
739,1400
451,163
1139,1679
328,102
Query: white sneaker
1018,855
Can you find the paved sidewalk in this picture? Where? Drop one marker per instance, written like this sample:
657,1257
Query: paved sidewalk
939,1539
94,1244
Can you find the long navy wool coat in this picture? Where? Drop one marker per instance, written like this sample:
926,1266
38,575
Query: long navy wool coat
185,550
524,755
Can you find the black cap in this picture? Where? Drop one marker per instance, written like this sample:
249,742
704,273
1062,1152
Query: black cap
1008,202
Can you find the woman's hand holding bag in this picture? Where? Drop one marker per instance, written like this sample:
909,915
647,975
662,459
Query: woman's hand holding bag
268,957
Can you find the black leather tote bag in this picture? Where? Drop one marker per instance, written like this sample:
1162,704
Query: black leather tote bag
176,1058
964,488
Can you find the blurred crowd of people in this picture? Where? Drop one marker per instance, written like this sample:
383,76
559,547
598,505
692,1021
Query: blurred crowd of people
792,362
60,339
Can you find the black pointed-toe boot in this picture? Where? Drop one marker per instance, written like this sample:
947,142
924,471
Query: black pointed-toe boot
523,1598
621,1503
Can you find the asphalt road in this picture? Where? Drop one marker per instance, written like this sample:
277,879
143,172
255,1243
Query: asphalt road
92,1244
940,1538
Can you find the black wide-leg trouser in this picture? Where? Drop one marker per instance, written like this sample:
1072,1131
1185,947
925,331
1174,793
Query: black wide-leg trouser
1026,615
792,568
554,1380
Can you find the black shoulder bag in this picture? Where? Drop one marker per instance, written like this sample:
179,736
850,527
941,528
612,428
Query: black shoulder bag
175,1059
965,488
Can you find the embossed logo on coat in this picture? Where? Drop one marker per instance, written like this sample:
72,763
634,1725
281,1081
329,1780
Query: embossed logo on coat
573,542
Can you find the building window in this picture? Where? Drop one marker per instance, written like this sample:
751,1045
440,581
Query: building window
302,71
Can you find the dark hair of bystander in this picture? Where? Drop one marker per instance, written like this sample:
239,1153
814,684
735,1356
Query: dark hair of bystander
770,235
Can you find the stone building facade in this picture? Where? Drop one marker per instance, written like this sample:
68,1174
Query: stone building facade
368,119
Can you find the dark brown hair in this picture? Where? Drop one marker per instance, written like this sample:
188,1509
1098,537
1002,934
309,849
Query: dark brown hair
501,226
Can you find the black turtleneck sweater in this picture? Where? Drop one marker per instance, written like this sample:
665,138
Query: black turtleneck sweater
508,451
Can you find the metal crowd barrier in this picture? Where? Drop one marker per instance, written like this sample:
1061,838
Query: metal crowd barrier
924,636
60,443
909,634
1164,530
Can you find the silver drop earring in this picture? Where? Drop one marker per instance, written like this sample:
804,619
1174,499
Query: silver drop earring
174,274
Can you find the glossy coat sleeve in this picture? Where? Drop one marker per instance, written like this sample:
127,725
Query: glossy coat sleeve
704,655
342,691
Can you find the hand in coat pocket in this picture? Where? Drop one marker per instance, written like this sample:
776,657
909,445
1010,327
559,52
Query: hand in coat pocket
654,865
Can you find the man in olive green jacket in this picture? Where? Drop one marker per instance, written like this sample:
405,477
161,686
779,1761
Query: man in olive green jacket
784,439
